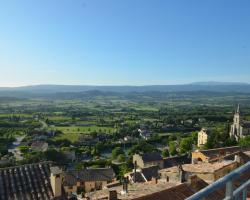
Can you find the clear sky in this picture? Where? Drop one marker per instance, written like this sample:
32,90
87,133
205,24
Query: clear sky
123,42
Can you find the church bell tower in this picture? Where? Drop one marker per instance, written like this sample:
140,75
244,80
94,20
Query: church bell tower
237,116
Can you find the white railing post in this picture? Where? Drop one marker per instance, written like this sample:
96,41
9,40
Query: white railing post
229,190
244,194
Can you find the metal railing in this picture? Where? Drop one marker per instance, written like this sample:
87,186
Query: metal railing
226,181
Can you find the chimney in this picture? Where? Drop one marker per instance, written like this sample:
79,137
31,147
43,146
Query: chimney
154,180
237,158
192,181
182,174
56,181
125,185
135,167
112,195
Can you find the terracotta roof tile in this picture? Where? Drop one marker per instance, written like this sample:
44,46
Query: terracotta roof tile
26,182
100,174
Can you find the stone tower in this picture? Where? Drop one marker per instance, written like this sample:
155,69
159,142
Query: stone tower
202,137
237,116
56,181
240,127
235,131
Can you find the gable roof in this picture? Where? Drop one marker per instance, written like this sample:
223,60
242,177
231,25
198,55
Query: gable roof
87,175
151,157
26,182
150,172
181,192
244,157
199,168
178,192
135,190
176,160
145,174
214,153
138,177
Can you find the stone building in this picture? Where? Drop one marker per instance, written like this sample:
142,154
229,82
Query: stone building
39,146
148,160
202,137
44,181
156,191
143,174
240,128
176,161
208,172
213,155
87,179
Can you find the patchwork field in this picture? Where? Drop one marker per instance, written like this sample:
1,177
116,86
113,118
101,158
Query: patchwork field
72,133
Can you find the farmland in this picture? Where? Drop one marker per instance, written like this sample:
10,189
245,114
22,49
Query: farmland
92,124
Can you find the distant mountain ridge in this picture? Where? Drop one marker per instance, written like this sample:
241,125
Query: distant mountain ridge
198,86
219,83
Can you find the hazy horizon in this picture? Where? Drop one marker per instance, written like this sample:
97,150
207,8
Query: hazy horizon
124,85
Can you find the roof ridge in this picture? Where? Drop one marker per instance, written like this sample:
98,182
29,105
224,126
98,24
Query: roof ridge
220,148
28,164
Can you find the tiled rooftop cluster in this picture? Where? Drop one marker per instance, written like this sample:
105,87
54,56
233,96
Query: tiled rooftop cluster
160,190
176,160
100,174
213,154
32,181
26,182
196,177
134,191
201,167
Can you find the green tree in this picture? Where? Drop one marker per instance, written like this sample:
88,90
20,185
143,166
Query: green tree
116,152
122,170
143,147
34,157
95,152
194,136
172,148
186,145
122,158
230,142
165,153
213,141
55,156
245,142
172,138
23,149
79,166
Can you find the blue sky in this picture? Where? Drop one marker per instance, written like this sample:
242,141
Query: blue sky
124,42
